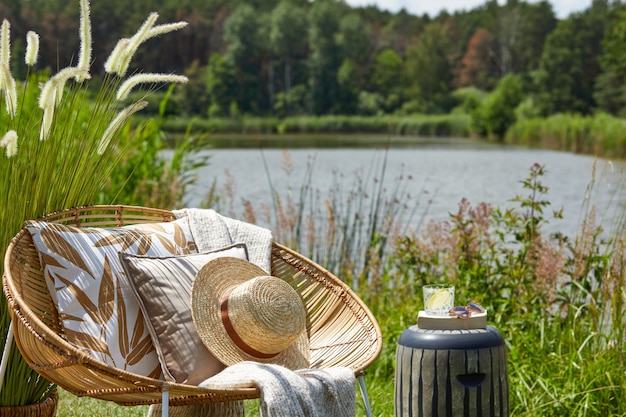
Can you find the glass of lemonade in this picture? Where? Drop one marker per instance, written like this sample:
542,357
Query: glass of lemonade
438,299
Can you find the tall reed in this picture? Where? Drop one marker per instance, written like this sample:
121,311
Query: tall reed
349,228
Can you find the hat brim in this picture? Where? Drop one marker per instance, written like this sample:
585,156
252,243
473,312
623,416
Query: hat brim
215,279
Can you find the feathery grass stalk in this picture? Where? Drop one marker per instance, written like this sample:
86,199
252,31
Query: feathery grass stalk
133,44
112,62
32,48
121,118
7,83
119,60
84,56
9,141
5,43
163,29
135,80
79,148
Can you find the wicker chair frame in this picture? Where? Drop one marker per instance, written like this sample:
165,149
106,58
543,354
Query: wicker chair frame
342,330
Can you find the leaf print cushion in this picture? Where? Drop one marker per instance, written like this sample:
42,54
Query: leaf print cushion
163,287
97,307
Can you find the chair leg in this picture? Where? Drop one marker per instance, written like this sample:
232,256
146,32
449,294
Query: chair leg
165,403
366,401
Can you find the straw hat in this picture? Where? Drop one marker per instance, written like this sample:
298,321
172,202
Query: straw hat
241,313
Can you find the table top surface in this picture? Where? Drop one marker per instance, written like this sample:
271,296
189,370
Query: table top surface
414,337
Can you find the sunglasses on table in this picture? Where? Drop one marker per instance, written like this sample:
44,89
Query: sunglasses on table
467,310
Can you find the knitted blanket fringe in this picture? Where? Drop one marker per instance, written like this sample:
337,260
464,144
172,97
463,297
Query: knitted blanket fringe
328,392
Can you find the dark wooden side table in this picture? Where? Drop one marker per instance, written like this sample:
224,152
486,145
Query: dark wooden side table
451,373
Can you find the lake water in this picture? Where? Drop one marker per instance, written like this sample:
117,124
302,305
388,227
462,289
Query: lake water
442,172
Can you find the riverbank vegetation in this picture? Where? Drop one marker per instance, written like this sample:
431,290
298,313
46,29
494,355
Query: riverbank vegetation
456,125
601,135
558,301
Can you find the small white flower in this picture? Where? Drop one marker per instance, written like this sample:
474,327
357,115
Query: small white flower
118,122
9,141
5,42
84,58
32,48
135,80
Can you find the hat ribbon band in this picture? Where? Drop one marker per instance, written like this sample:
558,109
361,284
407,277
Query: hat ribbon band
232,333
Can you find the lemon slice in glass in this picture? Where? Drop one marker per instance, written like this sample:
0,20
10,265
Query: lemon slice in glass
439,300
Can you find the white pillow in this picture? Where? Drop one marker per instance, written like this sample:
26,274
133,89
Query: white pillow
97,307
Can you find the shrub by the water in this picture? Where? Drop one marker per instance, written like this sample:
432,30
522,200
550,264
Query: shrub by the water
601,134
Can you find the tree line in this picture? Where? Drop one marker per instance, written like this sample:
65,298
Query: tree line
297,57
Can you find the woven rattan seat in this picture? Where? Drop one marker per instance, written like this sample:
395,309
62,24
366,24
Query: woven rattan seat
342,330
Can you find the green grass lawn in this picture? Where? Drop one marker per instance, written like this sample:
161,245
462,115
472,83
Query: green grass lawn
73,406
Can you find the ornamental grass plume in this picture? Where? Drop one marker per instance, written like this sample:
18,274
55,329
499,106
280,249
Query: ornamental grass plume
70,141
9,141
128,85
32,48
84,56
120,58
5,42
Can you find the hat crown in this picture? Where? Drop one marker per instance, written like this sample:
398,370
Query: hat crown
266,313
263,320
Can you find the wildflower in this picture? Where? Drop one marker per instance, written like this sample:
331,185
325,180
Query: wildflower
135,80
84,57
9,141
549,261
119,120
32,48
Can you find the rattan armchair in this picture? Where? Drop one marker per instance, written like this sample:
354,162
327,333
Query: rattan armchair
342,330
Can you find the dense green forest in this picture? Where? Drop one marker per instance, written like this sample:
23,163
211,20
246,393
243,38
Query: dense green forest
299,57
